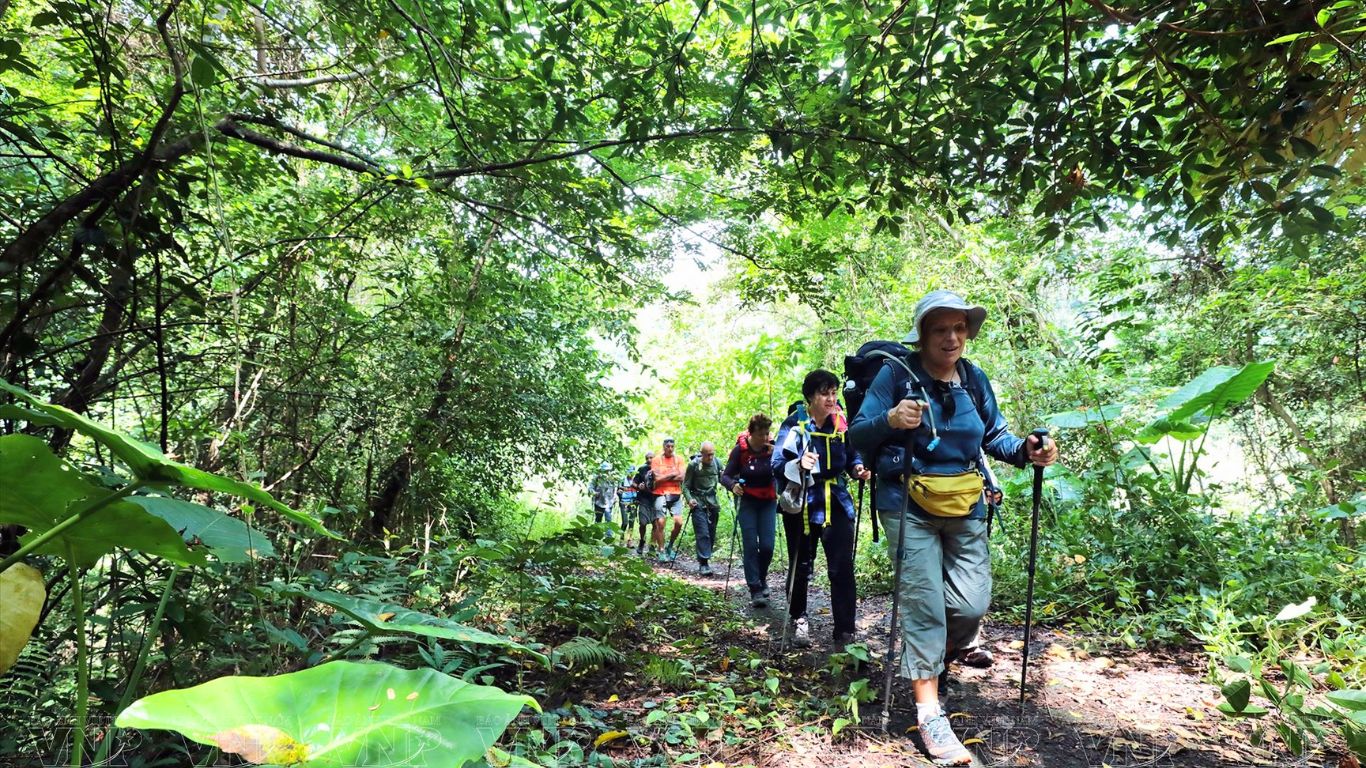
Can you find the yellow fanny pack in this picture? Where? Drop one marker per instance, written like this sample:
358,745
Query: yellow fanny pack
947,495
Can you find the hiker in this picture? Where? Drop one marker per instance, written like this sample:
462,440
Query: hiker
813,459
699,488
946,415
667,470
626,498
645,500
749,476
604,493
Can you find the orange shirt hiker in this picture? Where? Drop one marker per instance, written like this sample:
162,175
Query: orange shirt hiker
668,474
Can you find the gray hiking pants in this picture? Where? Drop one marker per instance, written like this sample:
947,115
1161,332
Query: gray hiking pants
945,587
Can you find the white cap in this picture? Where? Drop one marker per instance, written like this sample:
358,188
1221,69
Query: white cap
946,300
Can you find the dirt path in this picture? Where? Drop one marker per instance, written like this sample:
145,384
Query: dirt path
1121,709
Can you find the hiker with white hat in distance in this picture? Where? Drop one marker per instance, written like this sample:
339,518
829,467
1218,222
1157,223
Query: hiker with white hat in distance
604,490
927,420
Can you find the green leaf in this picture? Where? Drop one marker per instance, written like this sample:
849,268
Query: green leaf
1290,38
1216,389
41,490
1296,674
1238,693
145,461
1302,147
1085,417
1353,700
1251,710
387,618
202,72
229,539
339,714
1238,663
1165,426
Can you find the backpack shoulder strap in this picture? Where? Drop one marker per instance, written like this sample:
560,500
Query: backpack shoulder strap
898,360
973,384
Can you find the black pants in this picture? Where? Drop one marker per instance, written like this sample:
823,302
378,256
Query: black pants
837,538
704,520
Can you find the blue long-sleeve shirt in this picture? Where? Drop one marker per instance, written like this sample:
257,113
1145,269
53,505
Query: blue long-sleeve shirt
963,434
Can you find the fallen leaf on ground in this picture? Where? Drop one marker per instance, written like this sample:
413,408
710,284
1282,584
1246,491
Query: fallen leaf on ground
608,737
1185,734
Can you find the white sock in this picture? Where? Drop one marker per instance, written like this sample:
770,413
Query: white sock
924,712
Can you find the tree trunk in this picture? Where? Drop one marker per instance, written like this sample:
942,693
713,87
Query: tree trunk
395,478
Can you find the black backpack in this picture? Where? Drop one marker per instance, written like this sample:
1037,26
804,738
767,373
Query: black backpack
645,479
863,366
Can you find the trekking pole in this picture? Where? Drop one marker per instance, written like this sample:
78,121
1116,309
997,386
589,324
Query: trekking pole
891,659
734,528
1042,436
683,534
794,560
858,518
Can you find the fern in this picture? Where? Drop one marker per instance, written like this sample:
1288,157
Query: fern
33,712
669,673
586,653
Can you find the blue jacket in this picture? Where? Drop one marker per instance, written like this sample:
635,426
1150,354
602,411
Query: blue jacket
963,431
829,442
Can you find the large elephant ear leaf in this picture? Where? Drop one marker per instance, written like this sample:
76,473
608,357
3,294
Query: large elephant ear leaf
229,539
150,465
387,618
41,490
1216,389
338,715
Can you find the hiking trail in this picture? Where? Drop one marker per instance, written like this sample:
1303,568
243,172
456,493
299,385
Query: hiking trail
1089,705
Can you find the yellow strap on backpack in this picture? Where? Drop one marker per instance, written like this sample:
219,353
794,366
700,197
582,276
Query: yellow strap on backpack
947,495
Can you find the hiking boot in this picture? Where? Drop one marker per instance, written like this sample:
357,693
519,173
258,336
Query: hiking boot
980,658
704,570
669,554
759,599
764,593
801,633
844,638
941,744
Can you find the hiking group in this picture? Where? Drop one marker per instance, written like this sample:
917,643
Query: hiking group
918,423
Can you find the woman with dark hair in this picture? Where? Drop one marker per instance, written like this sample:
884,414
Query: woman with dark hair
749,476
813,456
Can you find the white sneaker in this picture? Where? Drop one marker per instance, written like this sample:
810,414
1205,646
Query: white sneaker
943,746
801,634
